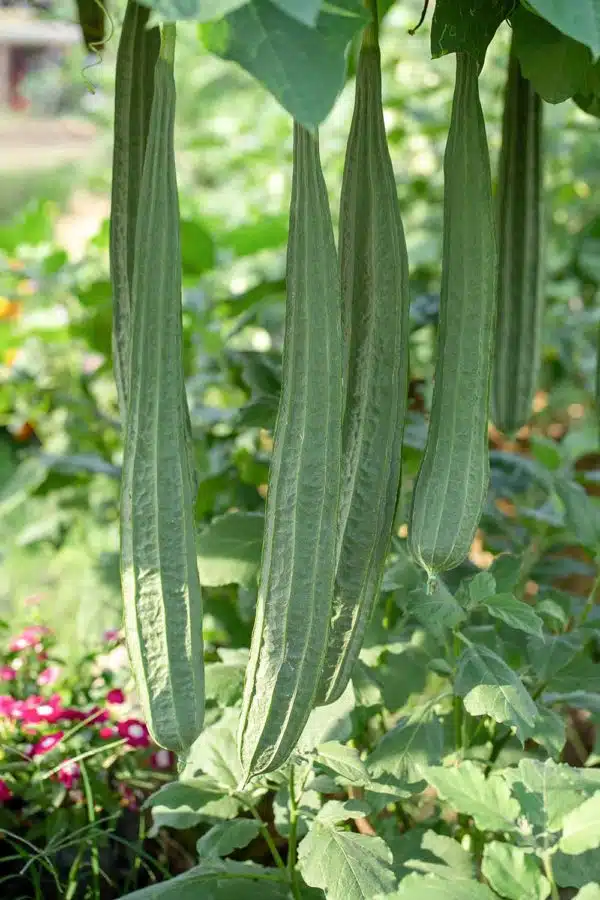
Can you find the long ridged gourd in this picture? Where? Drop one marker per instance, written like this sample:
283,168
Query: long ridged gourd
159,573
520,295
299,547
453,478
375,302
134,86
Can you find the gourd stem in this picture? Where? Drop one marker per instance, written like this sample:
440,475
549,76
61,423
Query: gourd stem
167,44
371,32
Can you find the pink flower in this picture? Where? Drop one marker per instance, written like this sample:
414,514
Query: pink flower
7,673
21,642
134,732
97,715
111,635
107,732
5,792
68,774
37,709
162,759
47,743
128,797
115,696
49,675
6,705
37,630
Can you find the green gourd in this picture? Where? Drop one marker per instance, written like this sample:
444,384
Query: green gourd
159,573
375,302
520,297
134,86
452,481
299,548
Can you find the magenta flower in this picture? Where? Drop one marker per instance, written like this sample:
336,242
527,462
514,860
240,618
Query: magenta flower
6,705
97,715
5,792
69,714
162,759
135,732
49,676
115,696
68,774
22,642
7,673
47,743
38,709
112,634
107,732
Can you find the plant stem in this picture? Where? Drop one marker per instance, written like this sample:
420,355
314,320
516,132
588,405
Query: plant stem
266,834
591,601
547,860
292,839
167,44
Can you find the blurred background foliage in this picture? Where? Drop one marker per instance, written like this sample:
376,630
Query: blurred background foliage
59,505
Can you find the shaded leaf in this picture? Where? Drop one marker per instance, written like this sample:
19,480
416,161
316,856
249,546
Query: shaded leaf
224,838
218,879
490,688
229,549
580,20
515,613
467,26
457,862
342,760
407,749
432,887
334,811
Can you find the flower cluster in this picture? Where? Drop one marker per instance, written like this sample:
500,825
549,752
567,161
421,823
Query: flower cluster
57,720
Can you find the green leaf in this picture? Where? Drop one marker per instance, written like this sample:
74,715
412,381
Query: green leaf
224,838
512,873
183,804
229,549
437,608
576,871
346,866
551,654
334,811
328,723
305,11
24,482
581,827
550,731
473,591
514,613
342,760
432,887
557,66
490,688
468,791
197,248
588,892
407,749
580,20
467,26
266,233
200,10
580,512
218,879
215,753
223,683
506,570
458,863
579,672
303,67
546,792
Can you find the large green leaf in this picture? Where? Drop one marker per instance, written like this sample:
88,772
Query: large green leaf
432,887
306,11
225,837
515,613
512,873
346,866
468,791
457,865
557,66
218,879
580,19
490,688
581,827
467,26
302,67
229,549
407,749
200,10
547,792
